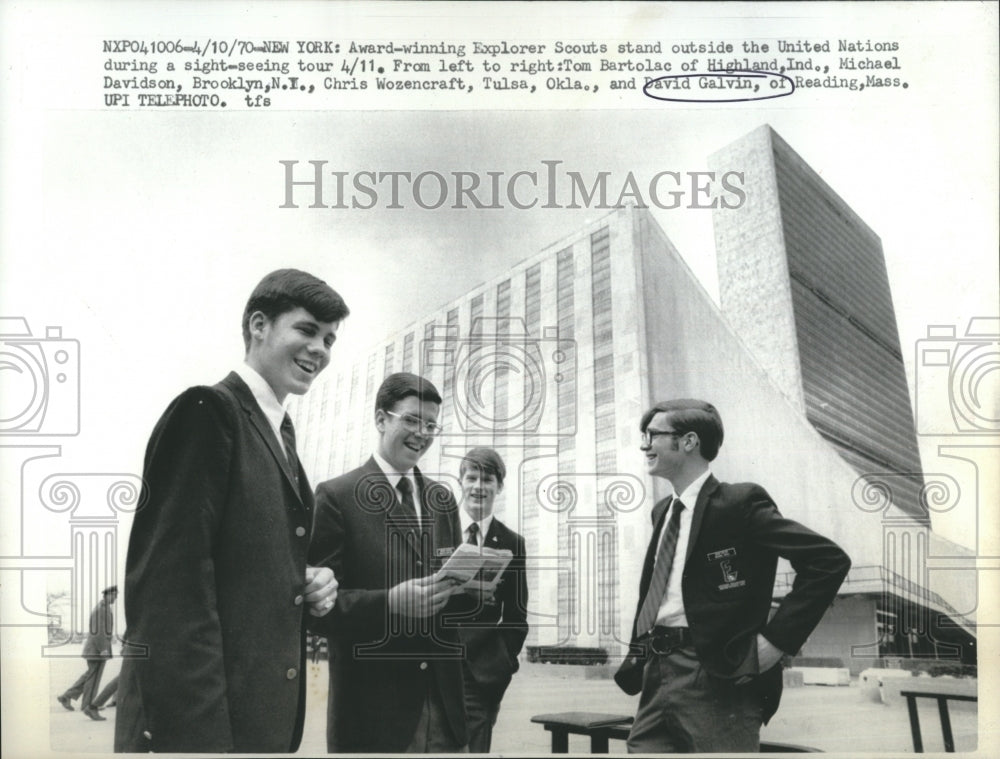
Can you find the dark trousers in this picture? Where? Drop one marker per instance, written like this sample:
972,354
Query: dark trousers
685,709
87,684
433,734
107,692
481,710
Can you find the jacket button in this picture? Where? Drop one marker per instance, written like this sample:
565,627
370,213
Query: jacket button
300,531
423,665
145,733
298,600
290,674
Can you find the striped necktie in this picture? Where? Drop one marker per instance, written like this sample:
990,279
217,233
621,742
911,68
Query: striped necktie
661,572
288,438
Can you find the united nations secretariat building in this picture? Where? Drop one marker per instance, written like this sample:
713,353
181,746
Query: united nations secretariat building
554,362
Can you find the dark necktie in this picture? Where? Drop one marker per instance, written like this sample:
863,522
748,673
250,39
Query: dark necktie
473,531
661,572
405,488
288,438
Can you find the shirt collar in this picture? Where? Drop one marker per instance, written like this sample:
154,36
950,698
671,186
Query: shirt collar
263,394
690,495
484,524
391,474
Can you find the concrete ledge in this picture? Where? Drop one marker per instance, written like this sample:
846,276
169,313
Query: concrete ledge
792,678
824,675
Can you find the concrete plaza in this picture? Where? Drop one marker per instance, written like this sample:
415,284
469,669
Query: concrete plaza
833,719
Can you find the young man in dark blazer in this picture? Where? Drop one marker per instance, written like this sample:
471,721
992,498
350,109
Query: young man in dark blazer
704,653
216,584
494,629
97,651
385,529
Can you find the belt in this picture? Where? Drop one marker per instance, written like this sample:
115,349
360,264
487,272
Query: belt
666,640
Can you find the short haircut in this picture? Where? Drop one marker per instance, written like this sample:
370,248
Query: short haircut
111,589
400,385
690,415
285,290
486,460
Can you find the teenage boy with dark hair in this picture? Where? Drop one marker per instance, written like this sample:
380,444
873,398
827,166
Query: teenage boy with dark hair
216,582
494,632
706,650
385,529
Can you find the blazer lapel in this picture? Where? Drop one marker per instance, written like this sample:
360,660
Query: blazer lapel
244,395
403,521
445,528
492,537
699,513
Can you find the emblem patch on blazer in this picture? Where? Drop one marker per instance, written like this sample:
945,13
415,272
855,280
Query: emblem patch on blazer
447,551
725,560
728,573
716,555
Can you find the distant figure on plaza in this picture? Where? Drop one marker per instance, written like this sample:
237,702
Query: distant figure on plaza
217,584
704,654
385,529
97,651
105,695
494,633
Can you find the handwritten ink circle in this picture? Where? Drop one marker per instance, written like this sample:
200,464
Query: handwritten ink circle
757,85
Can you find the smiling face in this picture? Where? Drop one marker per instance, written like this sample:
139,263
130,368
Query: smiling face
664,457
290,350
401,441
479,491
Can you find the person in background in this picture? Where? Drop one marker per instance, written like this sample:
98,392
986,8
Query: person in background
494,632
97,651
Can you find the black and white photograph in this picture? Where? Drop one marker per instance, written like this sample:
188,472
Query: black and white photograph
677,323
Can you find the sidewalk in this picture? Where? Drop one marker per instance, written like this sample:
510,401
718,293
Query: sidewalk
833,719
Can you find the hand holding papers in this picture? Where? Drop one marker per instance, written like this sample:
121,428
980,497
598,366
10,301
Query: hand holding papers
476,569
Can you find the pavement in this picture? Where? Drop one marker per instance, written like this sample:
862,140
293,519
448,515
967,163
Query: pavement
829,718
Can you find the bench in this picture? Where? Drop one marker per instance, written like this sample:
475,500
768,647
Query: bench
600,727
603,727
942,702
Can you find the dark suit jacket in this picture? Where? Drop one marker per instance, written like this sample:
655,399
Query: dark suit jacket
380,664
737,535
98,643
493,632
215,568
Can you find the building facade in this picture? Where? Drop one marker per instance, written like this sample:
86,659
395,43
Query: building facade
553,364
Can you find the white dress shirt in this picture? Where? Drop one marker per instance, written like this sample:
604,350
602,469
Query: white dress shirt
274,412
394,477
484,526
671,612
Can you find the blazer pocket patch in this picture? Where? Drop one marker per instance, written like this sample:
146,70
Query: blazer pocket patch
725,569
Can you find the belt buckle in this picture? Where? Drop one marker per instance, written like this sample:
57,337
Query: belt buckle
670,642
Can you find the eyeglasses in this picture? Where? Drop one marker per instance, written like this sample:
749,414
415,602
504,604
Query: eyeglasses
416,424
648,435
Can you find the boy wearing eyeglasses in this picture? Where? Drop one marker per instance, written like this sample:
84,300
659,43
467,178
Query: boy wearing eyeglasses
385,529
705,647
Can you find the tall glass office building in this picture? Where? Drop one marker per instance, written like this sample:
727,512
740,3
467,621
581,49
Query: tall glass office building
554,362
